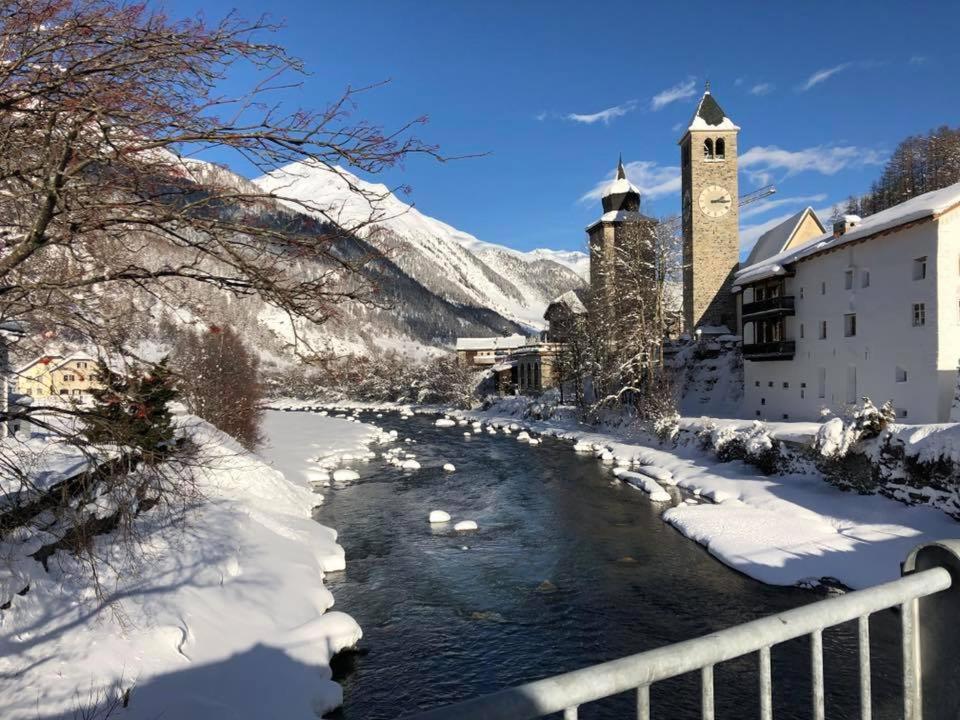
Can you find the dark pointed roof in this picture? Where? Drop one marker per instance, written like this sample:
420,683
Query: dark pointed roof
621,194
709,115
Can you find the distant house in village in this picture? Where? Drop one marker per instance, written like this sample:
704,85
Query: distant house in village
486,352
72,376
561,315
10,332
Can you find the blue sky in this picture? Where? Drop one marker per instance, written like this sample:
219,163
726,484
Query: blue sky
554,91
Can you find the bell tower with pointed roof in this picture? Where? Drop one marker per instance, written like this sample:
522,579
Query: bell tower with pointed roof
621,224
711,218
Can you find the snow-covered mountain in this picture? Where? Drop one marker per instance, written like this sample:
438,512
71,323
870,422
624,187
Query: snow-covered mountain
450,263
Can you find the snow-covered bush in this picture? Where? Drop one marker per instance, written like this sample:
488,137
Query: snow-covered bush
838,436
753,445
667,428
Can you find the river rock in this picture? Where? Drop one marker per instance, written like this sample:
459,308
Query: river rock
449,467
445,422
410,465
439,516
465,525
546,587
345,475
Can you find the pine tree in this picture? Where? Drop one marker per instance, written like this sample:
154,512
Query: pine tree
132,411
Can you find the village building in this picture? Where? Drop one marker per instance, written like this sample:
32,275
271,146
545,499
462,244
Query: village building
57,375
562,315
869,310
485,352
710,218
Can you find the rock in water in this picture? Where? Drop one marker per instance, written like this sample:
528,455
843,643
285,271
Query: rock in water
345,475
449,467
546,587
465,525
439,516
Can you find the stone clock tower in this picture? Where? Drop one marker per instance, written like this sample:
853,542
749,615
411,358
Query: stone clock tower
711,234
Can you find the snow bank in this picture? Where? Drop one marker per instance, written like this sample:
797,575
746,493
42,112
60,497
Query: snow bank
643,482
226,616
786,529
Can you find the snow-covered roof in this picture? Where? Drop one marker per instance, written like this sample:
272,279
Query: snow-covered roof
621,185
928,206
511,342
572,301
55,360
616,216
775,240
710,116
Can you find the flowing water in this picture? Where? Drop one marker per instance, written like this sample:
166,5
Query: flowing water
569,568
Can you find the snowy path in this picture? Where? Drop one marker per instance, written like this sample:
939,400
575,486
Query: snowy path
226,617
782,530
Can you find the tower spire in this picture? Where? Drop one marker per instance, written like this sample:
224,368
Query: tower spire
621,172
706,86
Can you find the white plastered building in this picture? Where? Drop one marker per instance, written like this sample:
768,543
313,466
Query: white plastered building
871,309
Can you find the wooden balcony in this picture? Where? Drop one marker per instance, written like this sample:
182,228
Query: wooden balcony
779,350
779,306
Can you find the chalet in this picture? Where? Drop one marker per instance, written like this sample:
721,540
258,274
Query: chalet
486,352
72,376
871,309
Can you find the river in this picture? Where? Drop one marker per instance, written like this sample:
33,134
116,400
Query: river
569,568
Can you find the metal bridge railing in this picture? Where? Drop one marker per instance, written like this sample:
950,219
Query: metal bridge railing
928,595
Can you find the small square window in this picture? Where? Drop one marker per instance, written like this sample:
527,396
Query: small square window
803,385
757,383
763,401
786,384
920,268
900,375
786,416
770,384
758,413
901,412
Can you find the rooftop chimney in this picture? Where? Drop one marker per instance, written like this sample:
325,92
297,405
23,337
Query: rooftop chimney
847,222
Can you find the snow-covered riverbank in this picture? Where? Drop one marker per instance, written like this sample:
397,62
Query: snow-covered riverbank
783,530
227,615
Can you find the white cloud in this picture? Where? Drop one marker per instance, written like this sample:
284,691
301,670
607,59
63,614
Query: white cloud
652,180
604,116
762,207
541,116
821,75
760,162
680,91
918,60
762,88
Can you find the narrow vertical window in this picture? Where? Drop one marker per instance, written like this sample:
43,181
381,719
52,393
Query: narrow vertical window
850,325
900,375
821,382
708,149
919,314
823,288
823,329
848,280
920,268
721,148
865,279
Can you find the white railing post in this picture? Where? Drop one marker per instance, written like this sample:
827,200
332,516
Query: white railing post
936,635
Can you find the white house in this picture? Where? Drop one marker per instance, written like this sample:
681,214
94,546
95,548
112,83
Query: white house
871,309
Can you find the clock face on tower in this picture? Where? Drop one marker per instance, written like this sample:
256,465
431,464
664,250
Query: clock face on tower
715,201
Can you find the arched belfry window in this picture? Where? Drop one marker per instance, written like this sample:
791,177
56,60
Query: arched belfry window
708,148
721,147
